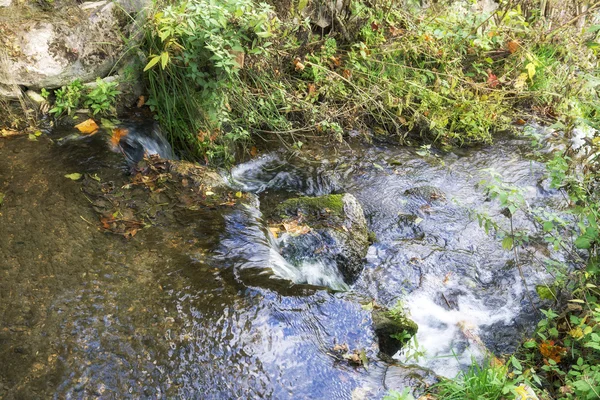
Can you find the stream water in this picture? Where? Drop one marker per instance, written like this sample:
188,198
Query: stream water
205,307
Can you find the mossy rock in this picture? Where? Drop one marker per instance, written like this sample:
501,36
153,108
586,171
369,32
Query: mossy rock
315,210
338,232
393,330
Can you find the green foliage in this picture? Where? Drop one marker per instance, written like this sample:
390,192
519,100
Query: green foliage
195,51
477,383
441,73
101,99
68,99
395,395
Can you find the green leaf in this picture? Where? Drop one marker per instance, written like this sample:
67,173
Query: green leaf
583,242
2,195
74,176
516,363
507,243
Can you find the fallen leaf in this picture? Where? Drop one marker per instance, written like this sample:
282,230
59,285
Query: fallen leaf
551,351
298,66
74,176
88,127
274,231
116,136
10,132
512,46
520,121
492,80
294,228
141,101
395,31
346,73
374,26
253,151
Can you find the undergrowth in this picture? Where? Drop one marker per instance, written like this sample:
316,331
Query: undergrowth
220,71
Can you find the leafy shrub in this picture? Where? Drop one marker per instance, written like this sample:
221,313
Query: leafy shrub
196,50
101,99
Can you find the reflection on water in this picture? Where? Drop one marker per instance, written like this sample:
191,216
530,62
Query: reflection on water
203,307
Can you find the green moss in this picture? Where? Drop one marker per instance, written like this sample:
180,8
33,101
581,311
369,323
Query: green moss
545,292
372,237
313,206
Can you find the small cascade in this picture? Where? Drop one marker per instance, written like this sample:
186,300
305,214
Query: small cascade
140,140
252,250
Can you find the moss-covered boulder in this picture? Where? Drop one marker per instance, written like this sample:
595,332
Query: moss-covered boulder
393,329
328,229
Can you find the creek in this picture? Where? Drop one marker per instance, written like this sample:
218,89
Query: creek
204,306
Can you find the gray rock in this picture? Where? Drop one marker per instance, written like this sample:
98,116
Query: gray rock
53,51
338,232
5,3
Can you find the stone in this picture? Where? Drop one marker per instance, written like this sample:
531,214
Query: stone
393,330
336,232
54,50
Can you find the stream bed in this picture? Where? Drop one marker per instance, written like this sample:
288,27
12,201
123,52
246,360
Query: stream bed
201,305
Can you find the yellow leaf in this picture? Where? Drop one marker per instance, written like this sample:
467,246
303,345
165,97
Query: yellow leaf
238,194
521,82
530,70
164,59
88,127
153,61
576,333
74,176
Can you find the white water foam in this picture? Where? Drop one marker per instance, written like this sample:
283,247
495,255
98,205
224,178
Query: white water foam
450,337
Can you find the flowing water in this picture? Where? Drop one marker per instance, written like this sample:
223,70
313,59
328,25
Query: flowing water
204,306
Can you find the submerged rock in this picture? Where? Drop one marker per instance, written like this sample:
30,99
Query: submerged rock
328,229
393,330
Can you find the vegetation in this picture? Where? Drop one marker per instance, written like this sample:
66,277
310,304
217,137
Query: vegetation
99,99
219,71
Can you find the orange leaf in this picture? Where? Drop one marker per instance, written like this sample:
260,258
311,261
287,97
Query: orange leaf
253,151
141,101
88,127
117,134
550,351
298,66
512,46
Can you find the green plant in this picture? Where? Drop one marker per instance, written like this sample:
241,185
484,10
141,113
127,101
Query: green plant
485,382
101,99
68,99
396,395
196,49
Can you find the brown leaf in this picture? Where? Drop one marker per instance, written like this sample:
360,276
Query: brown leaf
551,351
253,151
141,101
512,46
88,127
295,229
492,80
298,66
395,31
